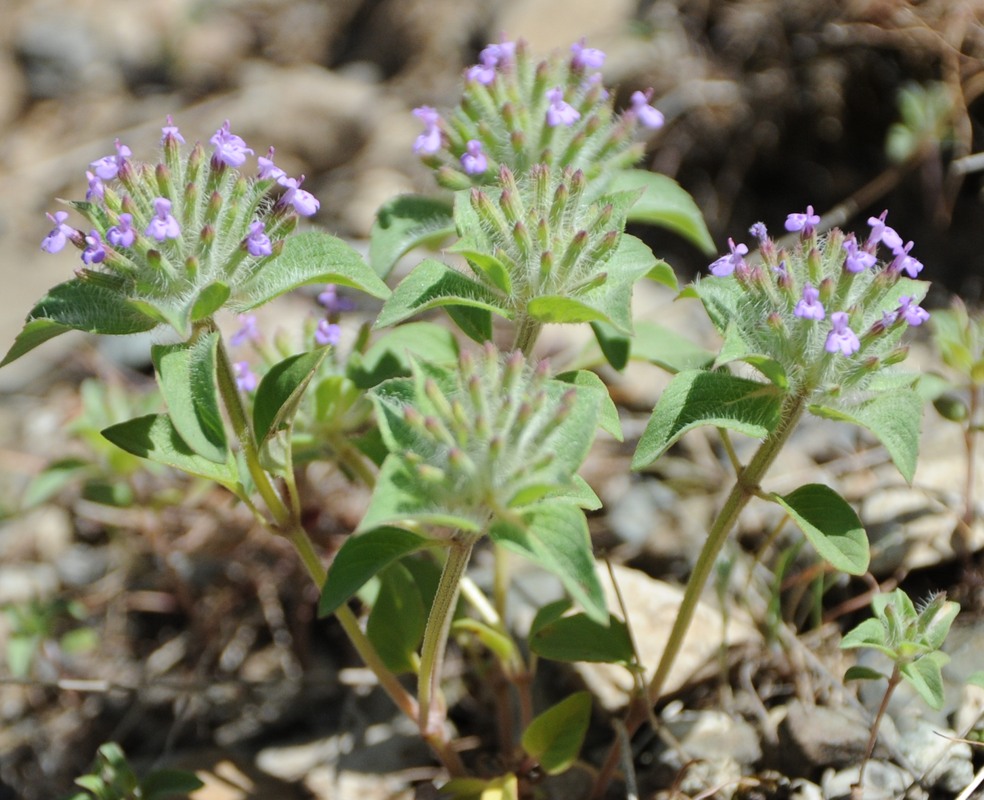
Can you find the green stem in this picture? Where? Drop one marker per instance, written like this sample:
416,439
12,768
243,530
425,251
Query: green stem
746,487
436,635
527,332
353,459
894,680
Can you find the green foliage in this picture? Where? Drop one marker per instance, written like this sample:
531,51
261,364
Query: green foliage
927,115
112,778
911,637
555,736
33,623
404,223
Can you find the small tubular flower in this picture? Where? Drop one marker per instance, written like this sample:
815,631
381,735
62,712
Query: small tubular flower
725,265
473,160
649,116
429,142
841,338
327,333
122,234
94,252
805,223
58,236
163,226
230,149
911,312
248,331
857,260
304,203
903,262
560,112
809,306
108,167
268,171
583,57
246,380
258,243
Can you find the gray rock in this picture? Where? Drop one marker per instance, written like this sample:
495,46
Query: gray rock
882,781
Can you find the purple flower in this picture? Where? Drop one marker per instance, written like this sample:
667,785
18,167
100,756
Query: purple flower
725,265
332,302
246,380
586,57
163,225
94,252
328,333
912,313
249,332
903,262
805,223
592,80
648,116
108,167
492,56
473,160
170,132
841,338
258,243
268,170
560,112
759,231
810,306
122,234
857,260
59,236
880,232
96,190
429,142
305,203
230,149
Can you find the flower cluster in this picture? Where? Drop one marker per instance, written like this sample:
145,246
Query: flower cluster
825,298
517,112
182,234
485,439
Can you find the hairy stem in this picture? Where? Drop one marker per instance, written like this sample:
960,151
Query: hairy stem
746,486
894,680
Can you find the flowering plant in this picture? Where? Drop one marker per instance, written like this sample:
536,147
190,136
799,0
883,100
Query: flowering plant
463,443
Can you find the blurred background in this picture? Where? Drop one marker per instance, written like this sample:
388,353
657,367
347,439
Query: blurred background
771,105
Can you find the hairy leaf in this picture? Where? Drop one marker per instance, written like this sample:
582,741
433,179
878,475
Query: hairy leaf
830,524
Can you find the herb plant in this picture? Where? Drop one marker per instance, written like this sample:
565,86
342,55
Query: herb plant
464,444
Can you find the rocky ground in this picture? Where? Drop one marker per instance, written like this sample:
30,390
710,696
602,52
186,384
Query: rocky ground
207,655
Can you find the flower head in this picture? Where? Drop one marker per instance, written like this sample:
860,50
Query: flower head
58,236
473,160
805,223
94,252
841,338
246,380
911,312
258,243
122,234
560,112
857,260
429,142
304,203
809,306
327,333
649,116
725,265
583,57
230,149
163,225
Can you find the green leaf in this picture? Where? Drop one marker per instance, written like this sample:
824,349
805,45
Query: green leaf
432,284
893,417
868,633
475,323
608,420
210,299
361,557
396,622
554,737
976,679
52,479
280,392
830,525
695,398
667,349
563,310
503,787
555,536
186,375
155,438
925,677
309,257
859,673
403,223
390,355
664,202
163,783
615,346
81,304
579,638
486,266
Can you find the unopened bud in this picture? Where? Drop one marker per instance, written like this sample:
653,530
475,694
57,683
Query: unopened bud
214,207
431,474
574,251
